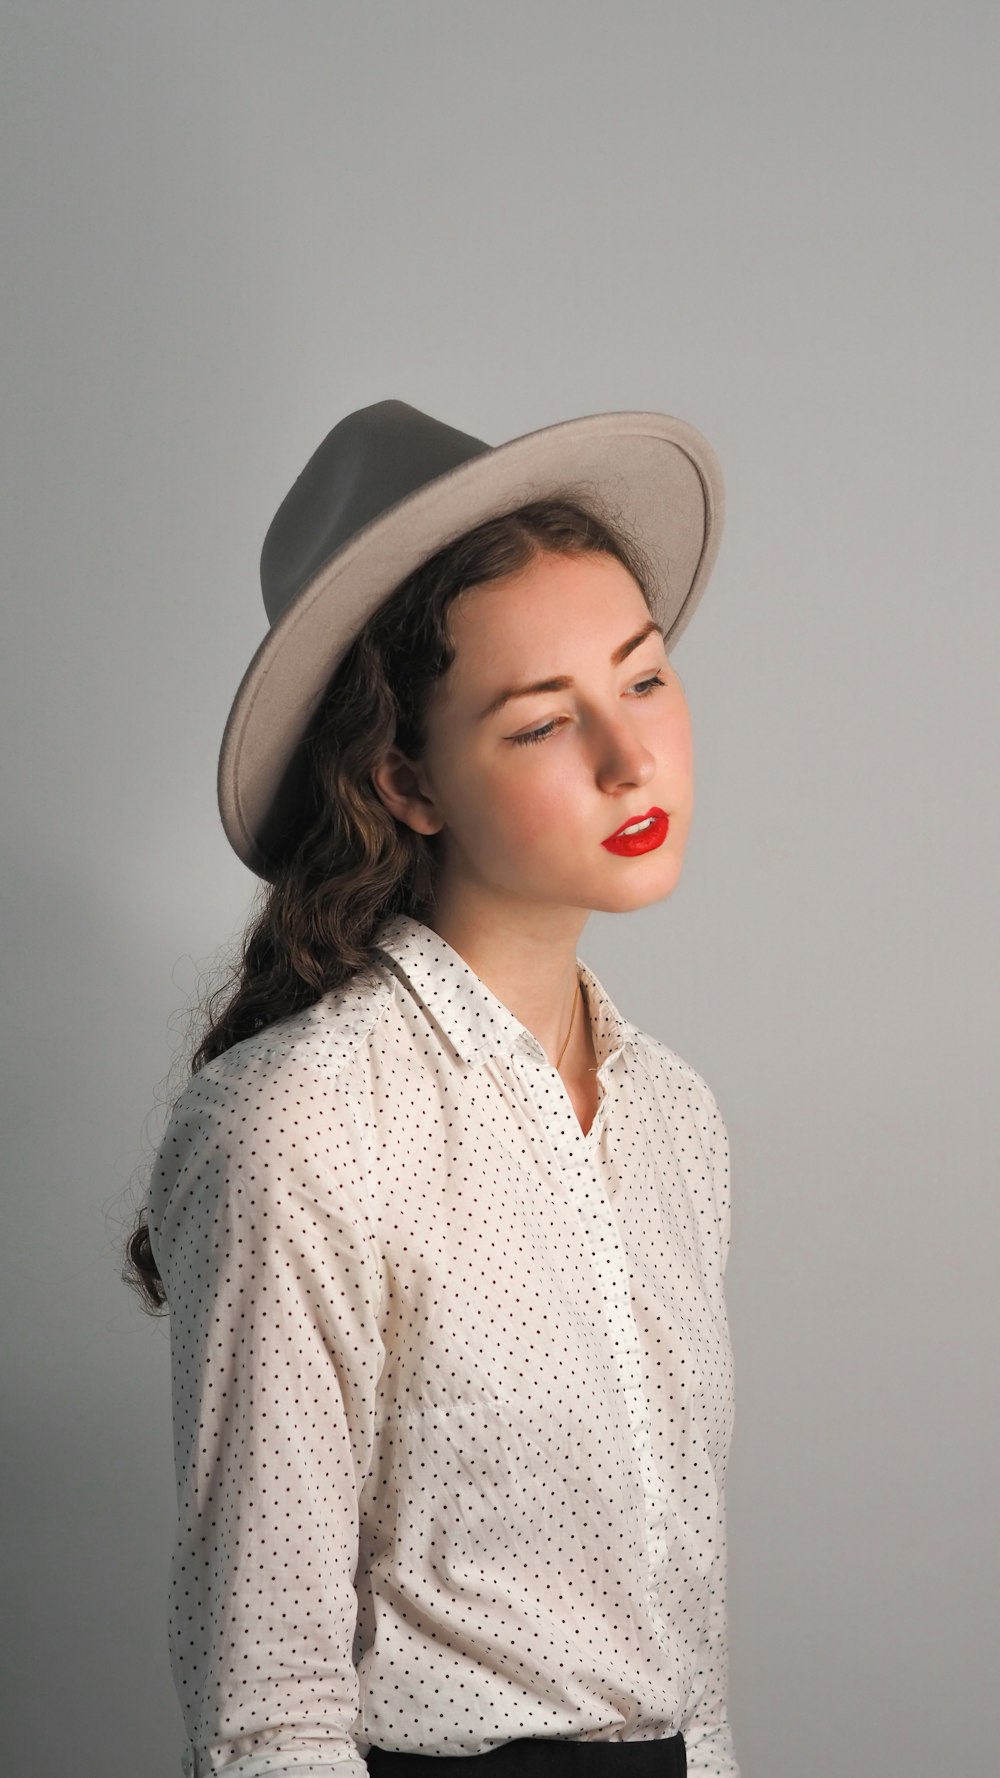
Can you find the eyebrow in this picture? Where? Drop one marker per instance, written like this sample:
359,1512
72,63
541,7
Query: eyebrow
620,654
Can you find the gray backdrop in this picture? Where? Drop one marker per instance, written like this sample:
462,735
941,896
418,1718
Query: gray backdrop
226,226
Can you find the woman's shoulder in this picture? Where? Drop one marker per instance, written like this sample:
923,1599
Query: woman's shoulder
690,1110
675,1074
317,1042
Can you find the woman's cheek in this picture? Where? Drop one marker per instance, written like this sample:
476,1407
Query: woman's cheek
532,807
678,746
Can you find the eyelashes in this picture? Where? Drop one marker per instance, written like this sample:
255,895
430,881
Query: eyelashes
541,734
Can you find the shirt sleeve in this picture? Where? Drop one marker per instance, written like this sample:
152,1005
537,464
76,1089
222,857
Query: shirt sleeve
273,1280
715,1136
708,1739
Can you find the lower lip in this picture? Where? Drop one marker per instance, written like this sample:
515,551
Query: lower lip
629,845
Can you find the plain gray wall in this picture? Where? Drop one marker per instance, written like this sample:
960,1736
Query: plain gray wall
225,227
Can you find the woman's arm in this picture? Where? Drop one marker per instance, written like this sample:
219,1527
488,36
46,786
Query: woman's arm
708,1737
273,1281
707,1733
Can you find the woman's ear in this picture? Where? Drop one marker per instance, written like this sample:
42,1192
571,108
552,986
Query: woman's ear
398,782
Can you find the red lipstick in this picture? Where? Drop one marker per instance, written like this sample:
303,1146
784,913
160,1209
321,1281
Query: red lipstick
628,845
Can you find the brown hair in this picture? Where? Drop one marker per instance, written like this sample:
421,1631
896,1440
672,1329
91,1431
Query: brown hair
352,864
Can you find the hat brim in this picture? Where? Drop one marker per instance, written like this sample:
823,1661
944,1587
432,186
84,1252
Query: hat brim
657,474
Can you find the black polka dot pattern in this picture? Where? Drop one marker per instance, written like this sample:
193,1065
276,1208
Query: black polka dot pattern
452,1384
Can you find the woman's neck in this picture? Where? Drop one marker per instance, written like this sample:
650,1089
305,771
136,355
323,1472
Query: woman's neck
535,975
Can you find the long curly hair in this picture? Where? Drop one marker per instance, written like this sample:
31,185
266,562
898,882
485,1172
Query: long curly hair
352,864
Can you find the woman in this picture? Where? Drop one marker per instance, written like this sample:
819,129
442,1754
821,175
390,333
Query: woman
442,1234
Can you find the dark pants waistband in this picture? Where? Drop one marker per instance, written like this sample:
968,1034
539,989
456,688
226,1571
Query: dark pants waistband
541,1758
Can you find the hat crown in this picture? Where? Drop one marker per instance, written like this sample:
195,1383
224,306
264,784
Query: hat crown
371,460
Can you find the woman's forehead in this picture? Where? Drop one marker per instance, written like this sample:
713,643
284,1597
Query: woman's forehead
581,595
535,633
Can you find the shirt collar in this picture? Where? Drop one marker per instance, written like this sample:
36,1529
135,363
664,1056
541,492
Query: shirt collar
475,1021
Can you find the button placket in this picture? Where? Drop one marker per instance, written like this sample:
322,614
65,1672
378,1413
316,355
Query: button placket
625,1352
576,1154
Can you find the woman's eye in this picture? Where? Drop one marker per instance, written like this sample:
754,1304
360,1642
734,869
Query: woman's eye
642,690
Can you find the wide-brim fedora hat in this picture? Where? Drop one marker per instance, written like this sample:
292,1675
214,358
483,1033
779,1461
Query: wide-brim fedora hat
388,487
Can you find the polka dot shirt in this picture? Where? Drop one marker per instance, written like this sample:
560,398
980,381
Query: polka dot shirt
452,1384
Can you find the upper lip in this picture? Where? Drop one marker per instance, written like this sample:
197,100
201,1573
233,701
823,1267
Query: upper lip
632,819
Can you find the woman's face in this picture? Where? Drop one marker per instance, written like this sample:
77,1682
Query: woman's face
524,794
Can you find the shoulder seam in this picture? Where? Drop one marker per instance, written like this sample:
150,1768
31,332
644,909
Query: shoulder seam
664,1051
264,1047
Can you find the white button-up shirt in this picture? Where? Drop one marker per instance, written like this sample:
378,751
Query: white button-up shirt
452,1384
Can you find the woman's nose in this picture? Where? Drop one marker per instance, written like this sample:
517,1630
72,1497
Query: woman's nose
622,756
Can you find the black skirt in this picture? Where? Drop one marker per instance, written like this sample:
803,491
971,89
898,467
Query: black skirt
541,1758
